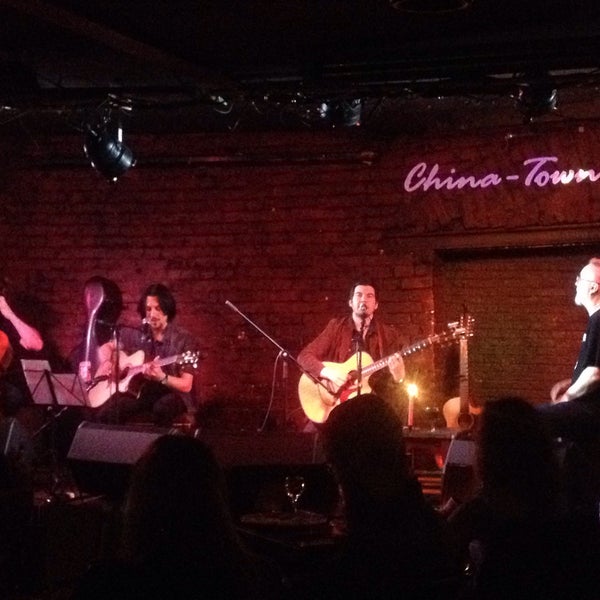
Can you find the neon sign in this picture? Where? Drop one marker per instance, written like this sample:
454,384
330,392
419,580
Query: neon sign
538,173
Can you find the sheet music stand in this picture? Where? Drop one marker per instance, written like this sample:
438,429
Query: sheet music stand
58,392
53,389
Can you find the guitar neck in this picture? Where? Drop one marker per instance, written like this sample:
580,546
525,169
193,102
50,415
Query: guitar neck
416,347
161,362
463,383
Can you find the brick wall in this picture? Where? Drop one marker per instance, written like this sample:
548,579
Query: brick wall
281,224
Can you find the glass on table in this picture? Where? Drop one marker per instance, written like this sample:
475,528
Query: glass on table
294,488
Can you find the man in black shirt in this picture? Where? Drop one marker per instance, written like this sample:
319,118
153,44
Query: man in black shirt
165,356
575,409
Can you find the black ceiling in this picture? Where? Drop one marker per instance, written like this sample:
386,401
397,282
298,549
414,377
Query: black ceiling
260,64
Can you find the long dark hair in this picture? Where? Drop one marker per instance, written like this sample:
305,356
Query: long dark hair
166,300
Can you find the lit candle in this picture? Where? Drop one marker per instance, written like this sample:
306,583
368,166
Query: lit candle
412,390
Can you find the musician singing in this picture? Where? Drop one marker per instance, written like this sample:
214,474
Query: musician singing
164,383
363,332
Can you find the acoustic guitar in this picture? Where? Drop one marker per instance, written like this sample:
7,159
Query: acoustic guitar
103,387
319,398
458,412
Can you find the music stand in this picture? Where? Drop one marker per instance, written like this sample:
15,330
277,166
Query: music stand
53,389
57,391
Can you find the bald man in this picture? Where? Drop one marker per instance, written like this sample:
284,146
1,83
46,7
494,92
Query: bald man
575,409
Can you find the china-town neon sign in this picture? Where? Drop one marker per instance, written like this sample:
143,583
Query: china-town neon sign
537,173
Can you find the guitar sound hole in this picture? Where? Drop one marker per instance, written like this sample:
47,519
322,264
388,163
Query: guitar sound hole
465,420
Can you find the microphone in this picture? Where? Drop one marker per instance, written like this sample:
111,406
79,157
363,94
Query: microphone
284,366
145,329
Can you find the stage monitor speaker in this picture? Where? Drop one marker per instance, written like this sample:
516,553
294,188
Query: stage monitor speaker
458,478
14,439
16,452
101,456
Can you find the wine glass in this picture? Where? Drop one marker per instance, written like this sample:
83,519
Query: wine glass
294,488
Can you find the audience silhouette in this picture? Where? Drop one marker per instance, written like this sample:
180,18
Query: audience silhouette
519,534
179,539
16,510
395,542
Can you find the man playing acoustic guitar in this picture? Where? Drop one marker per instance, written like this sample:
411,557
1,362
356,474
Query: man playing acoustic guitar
163,357
359,336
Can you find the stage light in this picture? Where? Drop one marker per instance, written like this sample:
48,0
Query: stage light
107,153
536,99
345,113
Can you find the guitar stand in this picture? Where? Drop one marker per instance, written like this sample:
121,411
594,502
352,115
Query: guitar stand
283,354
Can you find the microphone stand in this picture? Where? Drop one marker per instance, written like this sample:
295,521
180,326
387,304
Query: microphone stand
359,346
283,353
284,383
117,368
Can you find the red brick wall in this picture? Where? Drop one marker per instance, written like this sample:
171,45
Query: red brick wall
281,224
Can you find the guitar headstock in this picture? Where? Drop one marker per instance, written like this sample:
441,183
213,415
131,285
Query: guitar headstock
461,329
189,358
467,323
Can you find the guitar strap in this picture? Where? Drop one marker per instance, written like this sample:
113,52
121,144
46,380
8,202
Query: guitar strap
378,332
